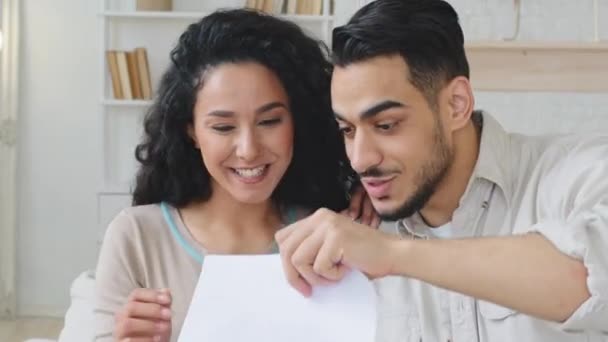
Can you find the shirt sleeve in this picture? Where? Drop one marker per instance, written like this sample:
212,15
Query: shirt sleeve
572,207
116,274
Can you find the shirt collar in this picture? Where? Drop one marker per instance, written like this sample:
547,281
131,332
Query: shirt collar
494,163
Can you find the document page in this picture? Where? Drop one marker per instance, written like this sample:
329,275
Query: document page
247,299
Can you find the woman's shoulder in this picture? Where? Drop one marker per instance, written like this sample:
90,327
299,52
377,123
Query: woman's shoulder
137,223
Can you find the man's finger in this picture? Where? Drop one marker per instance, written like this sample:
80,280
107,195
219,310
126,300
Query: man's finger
304,257
328,263
287,247
284,233
294,279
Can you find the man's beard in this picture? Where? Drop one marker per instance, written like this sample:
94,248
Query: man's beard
427,179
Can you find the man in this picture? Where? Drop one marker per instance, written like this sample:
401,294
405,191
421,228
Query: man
526,218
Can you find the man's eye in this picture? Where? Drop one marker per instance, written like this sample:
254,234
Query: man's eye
386,126
223,128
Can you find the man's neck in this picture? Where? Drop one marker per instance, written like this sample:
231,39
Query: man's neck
441,206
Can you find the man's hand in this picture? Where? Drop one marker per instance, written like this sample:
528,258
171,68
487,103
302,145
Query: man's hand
321,248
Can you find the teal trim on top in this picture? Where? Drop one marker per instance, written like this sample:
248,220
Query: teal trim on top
291,215
291,218
180,239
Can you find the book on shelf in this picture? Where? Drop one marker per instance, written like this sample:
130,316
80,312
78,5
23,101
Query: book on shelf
123,72
301,7
291,7
134,78
130,74
144,72
309,7
317,7
114,74
154,5
268,6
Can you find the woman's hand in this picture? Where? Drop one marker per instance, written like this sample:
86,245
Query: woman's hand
145,318
361,208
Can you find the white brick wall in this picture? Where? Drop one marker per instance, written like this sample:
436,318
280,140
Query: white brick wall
542,113
546,20
552,20
603,19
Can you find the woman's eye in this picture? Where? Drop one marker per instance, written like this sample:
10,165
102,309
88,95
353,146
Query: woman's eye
270,122
223,128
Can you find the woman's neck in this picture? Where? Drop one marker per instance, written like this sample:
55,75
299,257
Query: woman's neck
226,226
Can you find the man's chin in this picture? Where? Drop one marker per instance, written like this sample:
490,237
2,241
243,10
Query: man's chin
393,212
386,211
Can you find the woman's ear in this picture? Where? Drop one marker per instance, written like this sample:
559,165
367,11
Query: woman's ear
193,136
461,102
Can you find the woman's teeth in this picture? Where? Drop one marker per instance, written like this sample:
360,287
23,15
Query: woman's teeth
251,173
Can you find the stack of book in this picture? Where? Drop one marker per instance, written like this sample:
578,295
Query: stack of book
130,74
301,7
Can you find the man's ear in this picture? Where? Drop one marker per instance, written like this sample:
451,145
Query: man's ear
461,102
193,136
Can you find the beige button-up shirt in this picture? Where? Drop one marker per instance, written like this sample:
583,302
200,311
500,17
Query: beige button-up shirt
556,186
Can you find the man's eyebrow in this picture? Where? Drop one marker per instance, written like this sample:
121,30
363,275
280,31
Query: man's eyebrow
380,107
374,110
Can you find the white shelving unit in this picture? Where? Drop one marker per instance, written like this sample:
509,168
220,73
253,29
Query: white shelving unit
120,122
198,15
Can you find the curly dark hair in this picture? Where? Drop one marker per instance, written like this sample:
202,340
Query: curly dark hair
172,169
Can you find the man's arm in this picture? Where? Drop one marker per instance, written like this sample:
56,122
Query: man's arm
525,273
556,269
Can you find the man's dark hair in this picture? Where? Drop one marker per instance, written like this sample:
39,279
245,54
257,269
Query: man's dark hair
172,169
426,33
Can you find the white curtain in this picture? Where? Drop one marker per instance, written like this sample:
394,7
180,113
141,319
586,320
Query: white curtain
8,137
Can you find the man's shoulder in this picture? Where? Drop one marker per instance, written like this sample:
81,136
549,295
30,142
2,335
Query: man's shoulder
556,149
573,150
571,163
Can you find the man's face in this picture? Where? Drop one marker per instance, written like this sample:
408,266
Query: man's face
394,140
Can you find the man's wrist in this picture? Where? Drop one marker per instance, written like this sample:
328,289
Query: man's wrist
399,254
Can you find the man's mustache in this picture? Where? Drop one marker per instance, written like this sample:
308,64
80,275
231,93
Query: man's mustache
375,173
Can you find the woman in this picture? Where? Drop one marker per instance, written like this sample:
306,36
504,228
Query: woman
240,142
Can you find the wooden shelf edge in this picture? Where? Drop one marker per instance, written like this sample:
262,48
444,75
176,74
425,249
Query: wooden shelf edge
531,66
197,15
126,103
536,45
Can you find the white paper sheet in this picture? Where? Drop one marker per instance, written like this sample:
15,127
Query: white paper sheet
247,299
